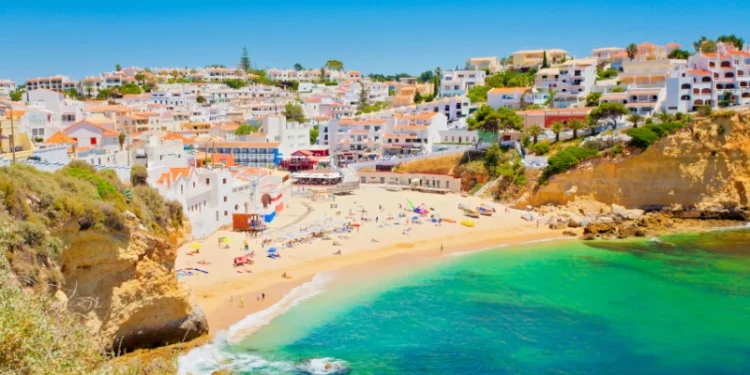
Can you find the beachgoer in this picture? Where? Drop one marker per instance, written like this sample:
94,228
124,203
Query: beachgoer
376,219
283,275
537,224
441,247
262,296
242,301
247,246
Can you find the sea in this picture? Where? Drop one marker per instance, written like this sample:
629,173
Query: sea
669,305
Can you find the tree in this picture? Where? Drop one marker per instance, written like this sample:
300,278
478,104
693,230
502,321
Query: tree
489,120
245,129
664,117
602,74
294,113
557,128
592,99
534,132
118,67
245,60
334,65
102,94
322,74
89,89
314,134
140,78
610,111
235,83
417,97
575,125
732,39
200,99
436,84
130,89
545,64
478,94
426,76
679,54
73,94
635,119
725,99
138,175
16,95
362,97
121,139
592,123
631,50
298,67
704,44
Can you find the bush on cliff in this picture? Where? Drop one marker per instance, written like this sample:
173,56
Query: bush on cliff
566,159
647,135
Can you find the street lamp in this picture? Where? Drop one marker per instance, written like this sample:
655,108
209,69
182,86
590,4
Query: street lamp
12,134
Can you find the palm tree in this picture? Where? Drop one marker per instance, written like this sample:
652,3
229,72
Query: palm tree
635,119
534,132
632,50
436,84
89,89
550,102
575,125
699,43
664,117
557,128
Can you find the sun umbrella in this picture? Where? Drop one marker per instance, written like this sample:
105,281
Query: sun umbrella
196,245
272,250
225,239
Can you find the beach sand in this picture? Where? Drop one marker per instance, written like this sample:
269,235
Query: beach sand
227,296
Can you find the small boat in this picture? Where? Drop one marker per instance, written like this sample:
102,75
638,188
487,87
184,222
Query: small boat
472,213
487,207
393,188
484,211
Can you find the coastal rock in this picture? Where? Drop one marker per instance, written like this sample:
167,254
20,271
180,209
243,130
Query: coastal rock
127,288
677,172
569,233
625,213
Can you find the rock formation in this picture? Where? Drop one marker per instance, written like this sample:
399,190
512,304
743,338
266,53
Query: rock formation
126,287
700,172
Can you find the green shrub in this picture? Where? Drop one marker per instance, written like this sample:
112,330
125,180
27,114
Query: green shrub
642,137
540,148
138,175
617,150
566,159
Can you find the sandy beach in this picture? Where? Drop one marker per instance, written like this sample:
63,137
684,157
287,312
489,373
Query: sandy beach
227,296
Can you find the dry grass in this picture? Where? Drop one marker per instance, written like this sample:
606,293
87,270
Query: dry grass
439,165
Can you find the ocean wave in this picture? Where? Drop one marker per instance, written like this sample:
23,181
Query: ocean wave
500,246
734,227
253,322
217,355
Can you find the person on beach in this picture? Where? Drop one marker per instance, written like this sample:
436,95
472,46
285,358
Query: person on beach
242,301
257,296
376,219
247,246
262,296
441,247
537,224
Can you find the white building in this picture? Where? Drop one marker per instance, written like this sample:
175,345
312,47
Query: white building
711,78
492,64
291,136
604,54
64,111
571,81
515,97
6,87
55,83
165,152
459,82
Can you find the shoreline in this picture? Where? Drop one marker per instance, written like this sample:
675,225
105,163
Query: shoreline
222,309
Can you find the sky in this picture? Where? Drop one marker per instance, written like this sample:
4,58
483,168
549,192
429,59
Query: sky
84,37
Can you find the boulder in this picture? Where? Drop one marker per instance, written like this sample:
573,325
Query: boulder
624,213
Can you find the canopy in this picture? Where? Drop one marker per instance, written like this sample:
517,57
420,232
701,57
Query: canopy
196,245
272,250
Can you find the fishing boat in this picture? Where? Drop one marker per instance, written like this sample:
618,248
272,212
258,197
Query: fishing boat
471,213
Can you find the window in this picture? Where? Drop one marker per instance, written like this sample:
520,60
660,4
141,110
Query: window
93,141
225,198
226,213
208,181
224,182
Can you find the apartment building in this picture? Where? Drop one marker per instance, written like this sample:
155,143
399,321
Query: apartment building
290,136
643,101
64,111
459,82
531,58
91,134
413,134
491,64
571,81
54,83
351,140
710,78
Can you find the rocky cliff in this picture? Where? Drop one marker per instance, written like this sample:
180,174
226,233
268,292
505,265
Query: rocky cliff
702,171
126,287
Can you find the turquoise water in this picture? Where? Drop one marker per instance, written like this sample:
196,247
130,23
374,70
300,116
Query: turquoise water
678,307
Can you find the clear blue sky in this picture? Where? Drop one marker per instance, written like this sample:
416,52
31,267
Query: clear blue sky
84,37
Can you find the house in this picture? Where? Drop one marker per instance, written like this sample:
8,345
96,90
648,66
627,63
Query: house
513,97
6,87
290,136
638,100
459,82
412,134
604,55
490,64
531,58
88,133
64,111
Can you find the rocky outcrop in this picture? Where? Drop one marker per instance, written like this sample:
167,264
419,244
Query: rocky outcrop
705,171
126,287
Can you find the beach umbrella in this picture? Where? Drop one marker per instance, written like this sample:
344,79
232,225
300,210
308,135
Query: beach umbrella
272,250
196,245
225,239
415,218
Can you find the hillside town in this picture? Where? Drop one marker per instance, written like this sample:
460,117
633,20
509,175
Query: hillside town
223,140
